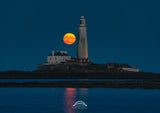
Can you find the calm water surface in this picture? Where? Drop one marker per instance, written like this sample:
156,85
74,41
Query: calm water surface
61,100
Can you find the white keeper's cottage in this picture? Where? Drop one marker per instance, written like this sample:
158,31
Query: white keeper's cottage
58,57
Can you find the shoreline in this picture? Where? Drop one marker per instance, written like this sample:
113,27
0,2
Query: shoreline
85,84
69,75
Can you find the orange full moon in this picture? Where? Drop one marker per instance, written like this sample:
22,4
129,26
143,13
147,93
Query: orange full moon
69,38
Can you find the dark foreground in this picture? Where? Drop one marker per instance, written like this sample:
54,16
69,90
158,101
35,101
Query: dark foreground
88,84
71,75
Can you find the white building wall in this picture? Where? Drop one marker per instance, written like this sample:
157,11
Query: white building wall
57,59
131,69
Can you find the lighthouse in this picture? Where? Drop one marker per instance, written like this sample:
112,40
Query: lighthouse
82,46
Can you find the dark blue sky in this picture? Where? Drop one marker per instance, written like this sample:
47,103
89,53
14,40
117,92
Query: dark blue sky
122,31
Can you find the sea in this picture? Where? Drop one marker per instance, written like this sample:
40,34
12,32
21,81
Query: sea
77,100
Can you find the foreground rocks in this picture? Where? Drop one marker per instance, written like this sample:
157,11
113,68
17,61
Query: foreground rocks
88,84
75,75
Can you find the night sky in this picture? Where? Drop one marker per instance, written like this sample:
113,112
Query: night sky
121,31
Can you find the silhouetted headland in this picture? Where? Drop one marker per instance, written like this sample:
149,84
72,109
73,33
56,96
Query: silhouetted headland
88,84
77,75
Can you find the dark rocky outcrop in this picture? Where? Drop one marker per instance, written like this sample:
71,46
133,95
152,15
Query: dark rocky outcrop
76,75
88,84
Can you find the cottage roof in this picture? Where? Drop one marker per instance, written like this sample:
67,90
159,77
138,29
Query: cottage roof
59,54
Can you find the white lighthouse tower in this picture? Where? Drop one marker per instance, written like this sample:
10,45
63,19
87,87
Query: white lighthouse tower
82,47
